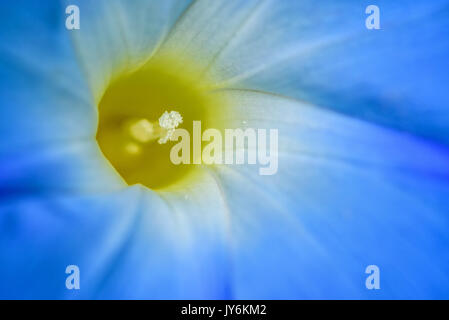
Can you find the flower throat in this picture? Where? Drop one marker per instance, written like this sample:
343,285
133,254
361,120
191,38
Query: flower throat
129,112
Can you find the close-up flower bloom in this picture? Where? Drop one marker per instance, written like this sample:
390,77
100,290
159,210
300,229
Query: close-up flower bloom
88,118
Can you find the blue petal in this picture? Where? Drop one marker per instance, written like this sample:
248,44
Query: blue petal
323,54
47,114
206,28
128,244
43,95
116,35
348,194
74,167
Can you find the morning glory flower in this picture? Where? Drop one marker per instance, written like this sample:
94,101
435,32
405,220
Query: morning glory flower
363,176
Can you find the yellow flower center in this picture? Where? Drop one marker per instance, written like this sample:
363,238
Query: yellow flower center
130,132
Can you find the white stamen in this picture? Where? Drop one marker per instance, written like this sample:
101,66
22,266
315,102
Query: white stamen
169,121
145,131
